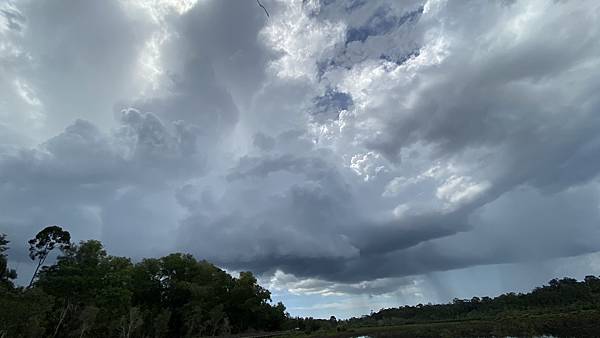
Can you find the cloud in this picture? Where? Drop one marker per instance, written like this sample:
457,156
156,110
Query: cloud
88,180
71,60
282,281
337,148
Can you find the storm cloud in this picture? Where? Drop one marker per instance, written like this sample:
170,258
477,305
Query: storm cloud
336,148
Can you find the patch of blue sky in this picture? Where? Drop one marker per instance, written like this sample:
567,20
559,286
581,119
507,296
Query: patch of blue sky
381,22
331,103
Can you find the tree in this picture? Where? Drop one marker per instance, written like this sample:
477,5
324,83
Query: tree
6,274
86,276
87,292
23,312
44,242
249,307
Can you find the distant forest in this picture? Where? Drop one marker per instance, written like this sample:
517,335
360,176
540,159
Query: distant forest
563,308
88,293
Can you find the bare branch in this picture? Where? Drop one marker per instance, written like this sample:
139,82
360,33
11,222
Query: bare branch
263,7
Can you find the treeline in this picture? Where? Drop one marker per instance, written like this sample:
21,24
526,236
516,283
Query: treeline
89,293
564,307
559,296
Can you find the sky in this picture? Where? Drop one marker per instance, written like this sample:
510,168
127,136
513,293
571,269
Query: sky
354,155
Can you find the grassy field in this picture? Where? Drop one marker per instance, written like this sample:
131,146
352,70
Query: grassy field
572,324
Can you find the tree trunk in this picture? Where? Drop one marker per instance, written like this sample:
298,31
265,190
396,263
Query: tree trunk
62,317
40,262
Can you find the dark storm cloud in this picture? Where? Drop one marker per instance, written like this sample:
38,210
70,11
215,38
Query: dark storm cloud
214,60
333,144
503,118
90,181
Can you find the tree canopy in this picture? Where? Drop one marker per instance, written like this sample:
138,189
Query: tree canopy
44,242
88,292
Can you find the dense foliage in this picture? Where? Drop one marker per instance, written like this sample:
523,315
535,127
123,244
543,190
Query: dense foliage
6,274
89,293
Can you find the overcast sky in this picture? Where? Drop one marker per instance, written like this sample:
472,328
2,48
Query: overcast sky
353,154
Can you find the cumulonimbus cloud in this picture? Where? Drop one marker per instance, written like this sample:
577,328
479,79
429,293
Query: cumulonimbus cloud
337,142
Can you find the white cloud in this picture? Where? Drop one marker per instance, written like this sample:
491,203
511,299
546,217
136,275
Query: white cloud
460,189
301,39
368,165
